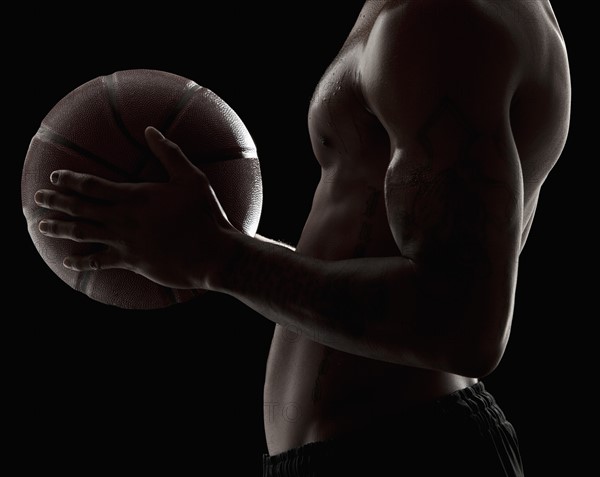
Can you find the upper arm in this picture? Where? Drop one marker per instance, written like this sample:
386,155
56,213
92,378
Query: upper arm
441,81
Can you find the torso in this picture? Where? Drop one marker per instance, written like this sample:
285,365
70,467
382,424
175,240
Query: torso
313,392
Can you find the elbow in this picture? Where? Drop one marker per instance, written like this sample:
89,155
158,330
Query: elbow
479,344
477,360
480,331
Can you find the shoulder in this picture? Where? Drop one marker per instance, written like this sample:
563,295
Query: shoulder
420,51
446,31
449,18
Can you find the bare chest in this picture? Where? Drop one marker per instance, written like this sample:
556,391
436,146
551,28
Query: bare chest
347,139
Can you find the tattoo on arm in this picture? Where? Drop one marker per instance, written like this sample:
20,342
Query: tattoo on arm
446,206
440,204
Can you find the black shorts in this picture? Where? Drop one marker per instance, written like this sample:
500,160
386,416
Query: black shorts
462,434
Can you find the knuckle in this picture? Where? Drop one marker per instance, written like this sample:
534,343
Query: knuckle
73,208
94,263
86,183
172,148
53,227
48,199
77,232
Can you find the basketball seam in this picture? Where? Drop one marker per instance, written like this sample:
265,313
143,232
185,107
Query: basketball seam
172,294
82,281
45,134
109,87
224,153
189,90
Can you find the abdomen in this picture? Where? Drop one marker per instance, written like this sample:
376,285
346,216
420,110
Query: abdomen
312,391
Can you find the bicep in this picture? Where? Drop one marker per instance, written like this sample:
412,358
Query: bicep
460,216
454,185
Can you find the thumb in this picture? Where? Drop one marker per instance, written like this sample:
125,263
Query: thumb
169,153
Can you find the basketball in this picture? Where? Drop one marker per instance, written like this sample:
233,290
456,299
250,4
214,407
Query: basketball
98,129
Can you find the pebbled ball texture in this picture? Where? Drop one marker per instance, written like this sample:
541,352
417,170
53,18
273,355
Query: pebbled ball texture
98,128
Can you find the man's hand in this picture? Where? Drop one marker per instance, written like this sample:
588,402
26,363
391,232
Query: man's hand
173,233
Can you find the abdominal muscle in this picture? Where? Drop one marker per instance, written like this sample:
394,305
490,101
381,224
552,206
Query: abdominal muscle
314,392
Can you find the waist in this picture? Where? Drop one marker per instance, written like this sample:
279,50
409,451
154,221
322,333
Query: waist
465,430
406,423
308,401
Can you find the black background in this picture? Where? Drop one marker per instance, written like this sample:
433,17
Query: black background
102,389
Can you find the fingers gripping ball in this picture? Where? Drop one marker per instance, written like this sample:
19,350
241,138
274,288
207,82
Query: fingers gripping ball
99,129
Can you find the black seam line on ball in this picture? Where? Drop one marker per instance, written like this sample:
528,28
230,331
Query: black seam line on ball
171,294
82,281
46,134
109,83
189,91
225,154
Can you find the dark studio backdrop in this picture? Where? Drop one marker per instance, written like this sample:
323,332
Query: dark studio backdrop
102,389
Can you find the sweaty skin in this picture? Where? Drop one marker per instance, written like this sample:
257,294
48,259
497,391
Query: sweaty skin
435,127
313,392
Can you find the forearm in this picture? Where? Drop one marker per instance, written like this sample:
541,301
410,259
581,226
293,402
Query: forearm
274,242
360,306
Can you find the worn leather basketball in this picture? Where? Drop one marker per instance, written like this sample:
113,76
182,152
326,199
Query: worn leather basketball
99,129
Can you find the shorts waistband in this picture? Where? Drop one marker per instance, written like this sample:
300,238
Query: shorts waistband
464,402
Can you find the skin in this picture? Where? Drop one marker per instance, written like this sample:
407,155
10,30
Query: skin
434,147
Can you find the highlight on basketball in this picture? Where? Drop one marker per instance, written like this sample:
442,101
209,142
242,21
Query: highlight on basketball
98,129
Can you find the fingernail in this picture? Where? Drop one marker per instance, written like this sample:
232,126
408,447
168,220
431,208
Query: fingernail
158,133
43,226
39,198
54,177
67,263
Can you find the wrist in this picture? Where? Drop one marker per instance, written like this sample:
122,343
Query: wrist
230,249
